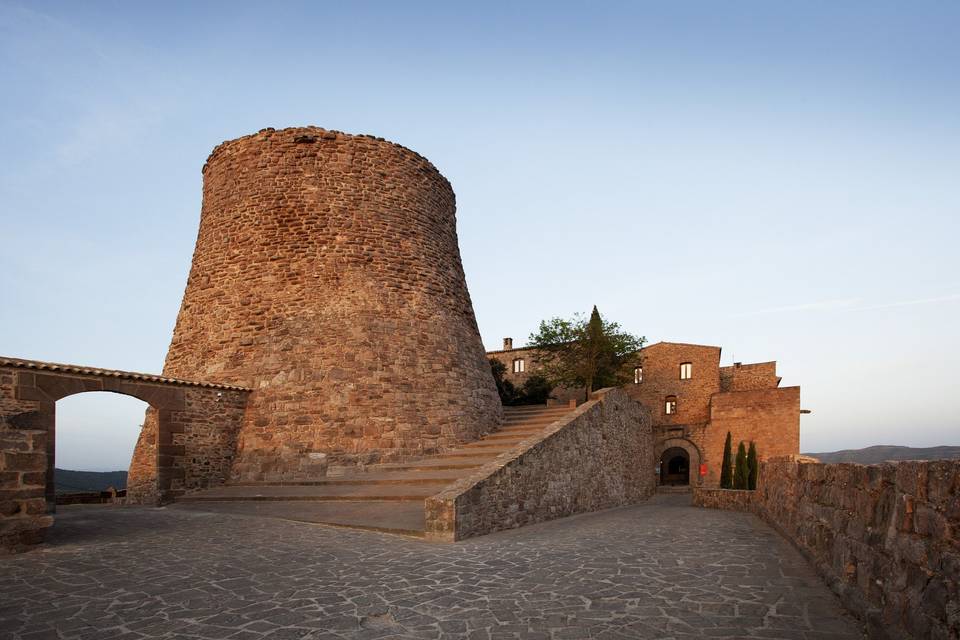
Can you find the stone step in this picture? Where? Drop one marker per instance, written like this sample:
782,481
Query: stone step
328,493
397,517
487,452
664,488
502,443
361,478
521,429
534,408
435,464
518,435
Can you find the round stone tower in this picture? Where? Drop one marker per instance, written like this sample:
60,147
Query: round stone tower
327,278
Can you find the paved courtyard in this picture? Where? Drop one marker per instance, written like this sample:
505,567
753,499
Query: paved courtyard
659,570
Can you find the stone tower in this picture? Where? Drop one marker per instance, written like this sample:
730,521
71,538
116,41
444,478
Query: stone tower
327,278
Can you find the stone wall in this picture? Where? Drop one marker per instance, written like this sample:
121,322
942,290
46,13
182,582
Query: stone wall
201,438
532,366
747,377
23,468
886,538
599,456
327,278
768,417
727,499
661,378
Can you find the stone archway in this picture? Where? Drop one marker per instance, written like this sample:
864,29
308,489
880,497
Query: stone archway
679,450
675,467
47,388
196,425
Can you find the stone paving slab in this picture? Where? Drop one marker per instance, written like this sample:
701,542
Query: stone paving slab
660,570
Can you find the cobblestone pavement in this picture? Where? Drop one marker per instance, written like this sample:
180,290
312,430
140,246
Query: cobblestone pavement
659,570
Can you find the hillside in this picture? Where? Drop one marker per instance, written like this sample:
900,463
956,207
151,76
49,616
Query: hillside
887,453
68,481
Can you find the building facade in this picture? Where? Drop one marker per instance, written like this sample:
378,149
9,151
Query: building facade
694,403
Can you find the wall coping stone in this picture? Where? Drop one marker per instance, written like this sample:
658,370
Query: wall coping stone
20,363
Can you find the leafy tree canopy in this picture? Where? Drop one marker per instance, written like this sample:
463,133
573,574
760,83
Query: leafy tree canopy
585,352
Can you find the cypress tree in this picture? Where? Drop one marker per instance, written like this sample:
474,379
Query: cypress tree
753,465
726,469
740,469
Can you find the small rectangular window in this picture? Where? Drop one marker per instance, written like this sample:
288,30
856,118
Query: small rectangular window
670,406
637,375
519,365
686,371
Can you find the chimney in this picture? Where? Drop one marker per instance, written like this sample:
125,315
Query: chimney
507,344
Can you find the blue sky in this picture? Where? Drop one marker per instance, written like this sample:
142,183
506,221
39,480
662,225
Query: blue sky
779,179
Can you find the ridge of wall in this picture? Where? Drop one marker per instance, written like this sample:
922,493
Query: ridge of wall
597,457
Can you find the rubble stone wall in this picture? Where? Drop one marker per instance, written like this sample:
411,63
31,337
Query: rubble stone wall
598,456
327,277
727,499
886,538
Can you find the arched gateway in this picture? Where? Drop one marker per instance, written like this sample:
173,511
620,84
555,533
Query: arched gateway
197,429
679,463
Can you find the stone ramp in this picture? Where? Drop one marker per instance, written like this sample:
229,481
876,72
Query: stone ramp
386,497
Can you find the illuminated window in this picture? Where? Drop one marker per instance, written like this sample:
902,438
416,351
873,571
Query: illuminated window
519,366
637,375
670,406
686,371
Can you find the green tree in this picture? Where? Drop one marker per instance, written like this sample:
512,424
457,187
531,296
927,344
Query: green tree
726,469
741,472
585,352
505,388
753,466
535,390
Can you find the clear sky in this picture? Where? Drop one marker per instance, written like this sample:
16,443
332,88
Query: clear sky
780,179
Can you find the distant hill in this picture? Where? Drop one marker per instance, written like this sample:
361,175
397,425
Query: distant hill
888,453
80,481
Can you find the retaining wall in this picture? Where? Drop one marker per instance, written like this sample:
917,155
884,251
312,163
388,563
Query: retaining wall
598,456
886,538
729,499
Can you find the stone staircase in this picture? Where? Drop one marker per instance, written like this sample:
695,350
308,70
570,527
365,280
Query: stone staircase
385,497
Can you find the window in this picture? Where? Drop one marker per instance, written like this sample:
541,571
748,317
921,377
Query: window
519,366
637,375
686,371
670,406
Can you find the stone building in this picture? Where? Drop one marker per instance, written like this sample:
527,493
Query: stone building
694,402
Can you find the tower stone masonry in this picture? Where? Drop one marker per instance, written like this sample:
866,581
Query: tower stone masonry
327,278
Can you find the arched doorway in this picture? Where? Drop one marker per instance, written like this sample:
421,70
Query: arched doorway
94,437
675,467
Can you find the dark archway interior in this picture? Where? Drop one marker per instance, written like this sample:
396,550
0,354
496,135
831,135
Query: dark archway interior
675,467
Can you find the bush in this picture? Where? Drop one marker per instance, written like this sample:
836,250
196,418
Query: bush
535,390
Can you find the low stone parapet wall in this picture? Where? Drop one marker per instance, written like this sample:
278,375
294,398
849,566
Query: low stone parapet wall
886,538
596,457
729,499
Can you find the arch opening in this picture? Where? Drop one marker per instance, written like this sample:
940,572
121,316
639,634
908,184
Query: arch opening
675,467
91,446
